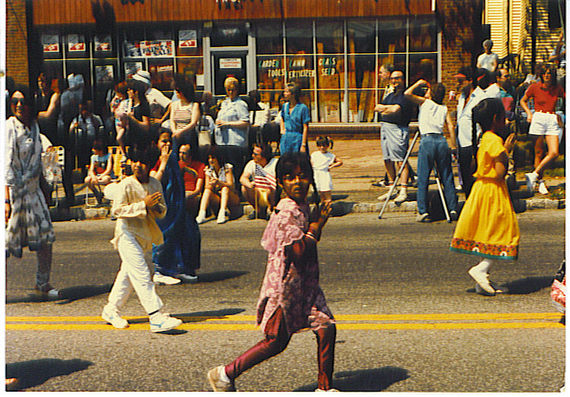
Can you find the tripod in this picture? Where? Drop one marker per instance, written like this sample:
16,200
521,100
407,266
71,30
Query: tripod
437,180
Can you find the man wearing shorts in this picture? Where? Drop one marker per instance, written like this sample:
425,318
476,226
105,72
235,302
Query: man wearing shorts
396,112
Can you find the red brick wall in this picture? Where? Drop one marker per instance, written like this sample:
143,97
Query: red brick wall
16,41
452,56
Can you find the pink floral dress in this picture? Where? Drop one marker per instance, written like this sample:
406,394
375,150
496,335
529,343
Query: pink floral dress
291,285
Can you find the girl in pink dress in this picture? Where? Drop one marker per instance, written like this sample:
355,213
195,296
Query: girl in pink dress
291,299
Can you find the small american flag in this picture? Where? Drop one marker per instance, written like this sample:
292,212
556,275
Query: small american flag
264,180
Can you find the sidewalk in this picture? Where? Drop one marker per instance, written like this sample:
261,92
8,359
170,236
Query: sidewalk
353,189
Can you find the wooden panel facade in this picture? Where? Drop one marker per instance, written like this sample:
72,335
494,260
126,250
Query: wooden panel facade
63,12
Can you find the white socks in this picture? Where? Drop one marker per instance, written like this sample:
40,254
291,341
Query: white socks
223,376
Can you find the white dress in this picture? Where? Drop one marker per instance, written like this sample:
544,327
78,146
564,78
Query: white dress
321,163
30,223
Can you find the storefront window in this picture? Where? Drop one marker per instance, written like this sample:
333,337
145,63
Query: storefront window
82,67
299,37
361,83
392,35
423,66
330,107
301,70
224,35
269,38
189,41
270,72
361,105
361,37
330,71
330,38
161,73
423,34
103,46
191,67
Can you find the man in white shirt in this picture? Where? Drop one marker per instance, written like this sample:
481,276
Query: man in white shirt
488,60
258,183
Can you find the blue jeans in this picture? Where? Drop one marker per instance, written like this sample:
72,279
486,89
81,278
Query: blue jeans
434,148
290,142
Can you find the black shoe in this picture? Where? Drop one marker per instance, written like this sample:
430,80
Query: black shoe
453,215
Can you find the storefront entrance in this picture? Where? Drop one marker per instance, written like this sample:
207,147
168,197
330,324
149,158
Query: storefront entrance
226,64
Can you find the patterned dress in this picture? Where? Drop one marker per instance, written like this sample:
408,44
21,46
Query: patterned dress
488,225
30,223
293,286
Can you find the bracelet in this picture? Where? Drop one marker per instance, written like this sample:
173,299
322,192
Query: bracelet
310,235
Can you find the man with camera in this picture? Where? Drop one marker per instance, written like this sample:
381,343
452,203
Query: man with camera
395,111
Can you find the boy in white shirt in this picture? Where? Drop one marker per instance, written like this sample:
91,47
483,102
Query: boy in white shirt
433,145
137,202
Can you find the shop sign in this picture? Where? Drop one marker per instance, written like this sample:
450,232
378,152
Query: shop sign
328,66
103,43
75,43
187,39
272,67
150,49
50,42
300,69
230,63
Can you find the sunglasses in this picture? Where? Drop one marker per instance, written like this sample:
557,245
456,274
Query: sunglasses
16,101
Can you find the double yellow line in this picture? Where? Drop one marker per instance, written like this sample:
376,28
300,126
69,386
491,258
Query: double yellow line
436,321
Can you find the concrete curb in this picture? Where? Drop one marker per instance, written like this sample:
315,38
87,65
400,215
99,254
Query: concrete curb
339,208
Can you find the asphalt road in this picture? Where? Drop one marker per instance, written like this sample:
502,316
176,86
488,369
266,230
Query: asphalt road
408,319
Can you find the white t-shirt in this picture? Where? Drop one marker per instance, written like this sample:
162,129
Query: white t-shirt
431,117
322,161
269,168
486,60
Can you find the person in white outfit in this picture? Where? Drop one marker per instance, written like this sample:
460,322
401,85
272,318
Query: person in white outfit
137,202
322,161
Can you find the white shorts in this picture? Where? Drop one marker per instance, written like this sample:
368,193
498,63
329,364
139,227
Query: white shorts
544,124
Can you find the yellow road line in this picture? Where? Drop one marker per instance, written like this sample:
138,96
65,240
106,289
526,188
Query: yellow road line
341,317
252,327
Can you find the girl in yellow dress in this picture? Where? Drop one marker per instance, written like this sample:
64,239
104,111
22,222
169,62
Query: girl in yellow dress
488,226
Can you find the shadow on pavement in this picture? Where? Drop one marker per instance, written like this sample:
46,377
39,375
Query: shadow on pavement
35,372
219,276
523,286
67,295
195,317
72,294
527,285
376,379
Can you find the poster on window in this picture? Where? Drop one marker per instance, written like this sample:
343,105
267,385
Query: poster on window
230,63
157,48
104,74
75,43
103,43
50,42
132,49
187,39
132,68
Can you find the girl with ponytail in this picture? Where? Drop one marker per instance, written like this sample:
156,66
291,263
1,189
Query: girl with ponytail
487,226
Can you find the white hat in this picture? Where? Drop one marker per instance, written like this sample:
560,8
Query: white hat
144,76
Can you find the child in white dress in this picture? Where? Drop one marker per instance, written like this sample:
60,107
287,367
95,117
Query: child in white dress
322,161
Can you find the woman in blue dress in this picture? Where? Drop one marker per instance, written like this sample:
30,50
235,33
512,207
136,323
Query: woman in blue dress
178,258
295,118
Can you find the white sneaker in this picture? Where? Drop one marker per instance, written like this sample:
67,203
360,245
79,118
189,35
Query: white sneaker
162,279
222,218
531,179
187,278
201,218
402,196
422,217
384,197
216,381
542,189
161,322
113,318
